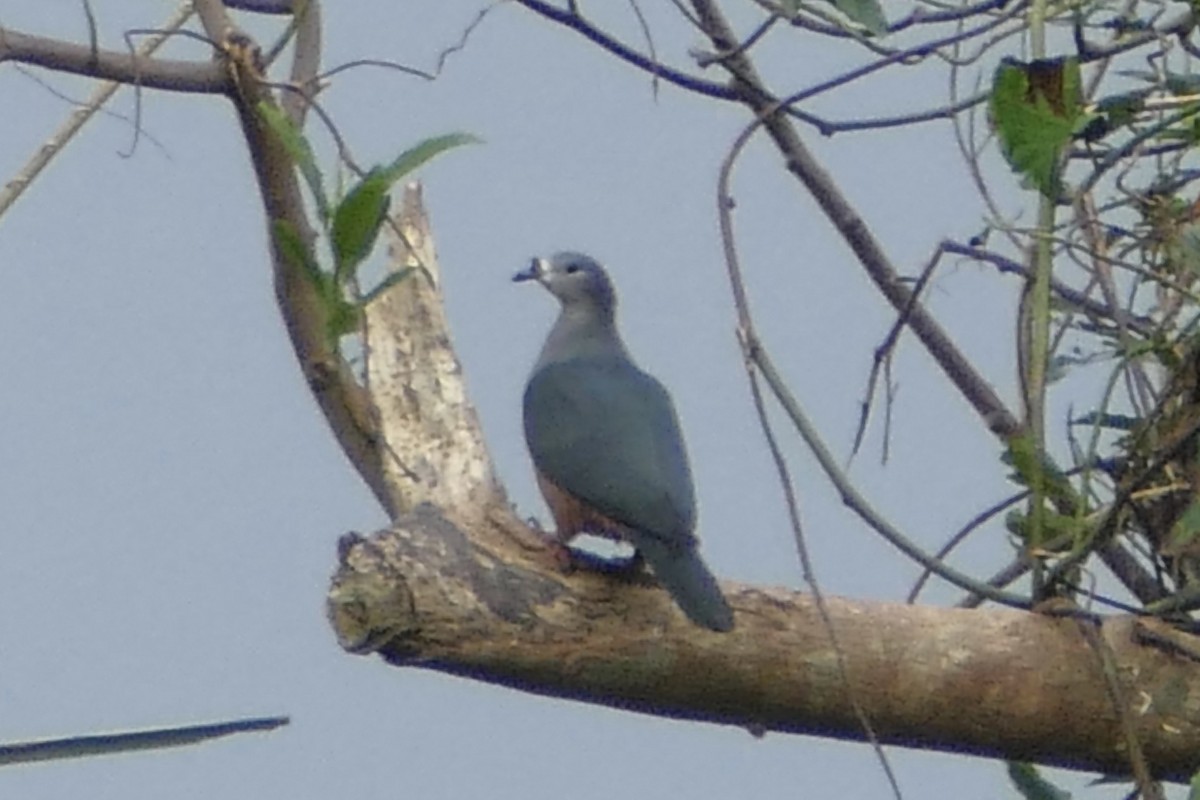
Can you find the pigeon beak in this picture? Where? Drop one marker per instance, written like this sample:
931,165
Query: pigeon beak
534,272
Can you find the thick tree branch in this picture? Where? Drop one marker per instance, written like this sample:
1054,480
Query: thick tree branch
342,399
989,682
152,73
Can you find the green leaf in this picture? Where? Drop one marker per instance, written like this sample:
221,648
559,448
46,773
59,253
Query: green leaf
1059,367
343,320
1182,85
1185,531
295,251
1189,133
867,13
300,150
1194,787
1184,248
1122,108
1174,82
414,157
1023,456
385,284
358,218
356,223
1032,785
125,741
1055,526
341,316
1111,113
1036,109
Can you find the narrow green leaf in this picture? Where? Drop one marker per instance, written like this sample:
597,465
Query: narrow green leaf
329,292
343,320
1188,132
1032,785
1036,109
1194,787
1116,422
1182,85
301,152
356,223
1111,113
126,741
1175,82
359,217
1122,108
295,251
414,157
1023,456
1054,526
867,13
385,284
1185,531
1184,248
1059,367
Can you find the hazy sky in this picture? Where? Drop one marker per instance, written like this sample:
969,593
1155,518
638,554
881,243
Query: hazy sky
172,497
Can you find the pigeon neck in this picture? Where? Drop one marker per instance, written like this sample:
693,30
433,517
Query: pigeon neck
582,333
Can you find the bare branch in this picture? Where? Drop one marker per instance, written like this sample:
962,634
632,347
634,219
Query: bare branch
80,116
1092,308
756,353
806,565
266,6
376,62
577,23
344,402
306,63
854,230
465,36
203,77
916,52
901,120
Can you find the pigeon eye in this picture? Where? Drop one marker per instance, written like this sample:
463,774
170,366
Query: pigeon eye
572,269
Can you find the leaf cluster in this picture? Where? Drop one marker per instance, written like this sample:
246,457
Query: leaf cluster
351,223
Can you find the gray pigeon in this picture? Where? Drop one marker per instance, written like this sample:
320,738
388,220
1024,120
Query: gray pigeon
605,440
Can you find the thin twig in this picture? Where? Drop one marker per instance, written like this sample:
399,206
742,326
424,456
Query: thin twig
80,116
961,535
850,496
883,353
1147,786
461,44
571,19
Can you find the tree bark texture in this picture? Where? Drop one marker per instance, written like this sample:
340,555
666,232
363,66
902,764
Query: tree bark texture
990,682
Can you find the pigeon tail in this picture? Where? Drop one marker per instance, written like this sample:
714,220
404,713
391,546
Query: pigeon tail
685,576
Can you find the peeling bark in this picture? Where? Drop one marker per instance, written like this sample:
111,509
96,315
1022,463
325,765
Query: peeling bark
433,445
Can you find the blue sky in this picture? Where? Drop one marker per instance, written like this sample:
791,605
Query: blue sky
172,498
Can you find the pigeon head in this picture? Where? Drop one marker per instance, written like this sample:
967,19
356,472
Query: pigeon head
577,280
